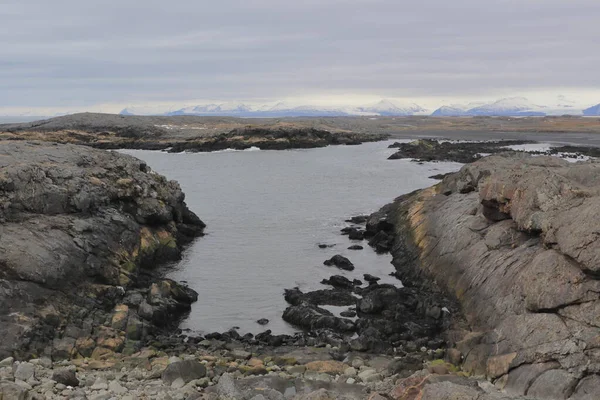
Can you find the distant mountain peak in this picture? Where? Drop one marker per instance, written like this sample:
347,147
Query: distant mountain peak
592,111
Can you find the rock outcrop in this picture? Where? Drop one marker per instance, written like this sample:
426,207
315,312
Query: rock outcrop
457,151
81,231
184,133
514,238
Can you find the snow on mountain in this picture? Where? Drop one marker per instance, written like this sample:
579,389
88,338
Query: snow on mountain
386,107
592,111
146,110
453,110
511,106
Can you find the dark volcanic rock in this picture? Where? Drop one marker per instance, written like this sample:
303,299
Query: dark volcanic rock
338,281
325,246
66,377
341,262
355,247
78,228
277,138
371,279
262,321
528,281
353,233
313,318
332,297
359,219
463,152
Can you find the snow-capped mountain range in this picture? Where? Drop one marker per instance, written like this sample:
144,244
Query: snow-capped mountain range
511,106
282,109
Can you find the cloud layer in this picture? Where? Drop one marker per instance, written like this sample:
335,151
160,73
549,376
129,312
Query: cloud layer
67,53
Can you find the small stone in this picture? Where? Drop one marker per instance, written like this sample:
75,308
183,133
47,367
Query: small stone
351,371
368,375
178,383
328,367
262,321
240,354
357,363
296,369
255,362
351,381
100,384
204,382
66,377
24,371
116,388
60,386
7,362
10,390
186,370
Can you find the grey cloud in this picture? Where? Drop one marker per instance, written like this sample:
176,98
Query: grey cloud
72,53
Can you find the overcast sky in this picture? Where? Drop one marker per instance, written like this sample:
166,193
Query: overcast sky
103,55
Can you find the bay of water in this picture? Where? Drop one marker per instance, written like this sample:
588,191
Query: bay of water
266,211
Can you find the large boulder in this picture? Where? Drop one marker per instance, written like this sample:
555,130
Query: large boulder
187,371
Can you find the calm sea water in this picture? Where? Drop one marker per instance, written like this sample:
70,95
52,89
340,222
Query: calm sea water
266,211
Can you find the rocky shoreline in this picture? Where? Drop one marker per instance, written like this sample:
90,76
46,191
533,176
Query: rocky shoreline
498,300
425,150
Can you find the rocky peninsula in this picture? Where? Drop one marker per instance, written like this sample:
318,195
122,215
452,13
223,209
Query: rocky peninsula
513,239
177,134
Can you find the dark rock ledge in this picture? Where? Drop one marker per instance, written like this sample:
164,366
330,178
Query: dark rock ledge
81,233
514,239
